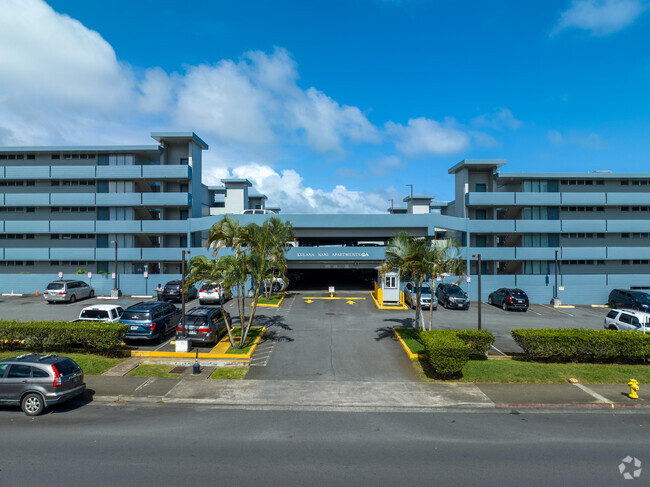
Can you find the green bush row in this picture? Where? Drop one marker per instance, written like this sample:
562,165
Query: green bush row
62,336
583,345
446,353
478,341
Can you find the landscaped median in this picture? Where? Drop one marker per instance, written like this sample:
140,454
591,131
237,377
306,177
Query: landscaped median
274,302
521,369
223,351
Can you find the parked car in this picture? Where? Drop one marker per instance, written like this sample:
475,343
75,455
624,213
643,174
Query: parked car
172,291
35,382
410,296
101,312
509,298
203,324
452,296
213,293
150,320
629,298
67,290
626,319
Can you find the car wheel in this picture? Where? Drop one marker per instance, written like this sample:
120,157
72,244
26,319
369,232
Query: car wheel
504,306
73,298
446,304
612,327
92,294
201,302
612,304
489,300
32,404
161,336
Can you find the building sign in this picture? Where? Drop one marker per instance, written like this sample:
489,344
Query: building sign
469,279
90,275
113,275
326,254
332,289
145,274
60,275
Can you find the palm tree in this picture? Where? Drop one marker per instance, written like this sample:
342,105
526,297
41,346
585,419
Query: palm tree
443,257
205,270
226,233
408,255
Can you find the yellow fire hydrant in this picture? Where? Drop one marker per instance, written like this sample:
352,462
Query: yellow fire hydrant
634,386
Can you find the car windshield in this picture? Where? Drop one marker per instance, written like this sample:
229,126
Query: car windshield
194,320
425,290
455,291
55,285
641,296
136,315
96,314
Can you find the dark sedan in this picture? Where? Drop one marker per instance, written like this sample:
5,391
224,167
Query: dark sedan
509,299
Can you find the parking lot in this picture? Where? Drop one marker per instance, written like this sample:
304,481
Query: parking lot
341,339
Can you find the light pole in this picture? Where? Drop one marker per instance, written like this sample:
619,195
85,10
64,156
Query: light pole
555,298
411,196
478,256
183,253
116,291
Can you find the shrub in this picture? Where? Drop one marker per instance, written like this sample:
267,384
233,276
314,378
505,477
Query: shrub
583,345
62,336
478,341
446,353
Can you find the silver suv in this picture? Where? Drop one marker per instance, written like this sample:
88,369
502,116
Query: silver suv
34,381
627,319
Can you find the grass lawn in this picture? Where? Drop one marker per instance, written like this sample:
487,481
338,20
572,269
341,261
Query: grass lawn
253,333
232,373
90,364
504,371
532,372
275,299
153,370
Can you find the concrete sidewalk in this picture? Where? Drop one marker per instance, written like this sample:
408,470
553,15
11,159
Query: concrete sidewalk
355,395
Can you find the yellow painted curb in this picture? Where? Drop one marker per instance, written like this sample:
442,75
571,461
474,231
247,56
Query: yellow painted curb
213,354
599,305
381,306
568,306
273,305
410,354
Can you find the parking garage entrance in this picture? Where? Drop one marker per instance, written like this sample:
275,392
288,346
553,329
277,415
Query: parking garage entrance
319,279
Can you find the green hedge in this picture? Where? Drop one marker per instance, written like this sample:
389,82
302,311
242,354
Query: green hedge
446,353
61,336
478,341
583,345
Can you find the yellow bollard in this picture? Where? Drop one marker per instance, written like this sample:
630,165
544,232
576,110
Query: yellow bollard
634,386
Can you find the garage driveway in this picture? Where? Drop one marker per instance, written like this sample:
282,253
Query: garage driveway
329,340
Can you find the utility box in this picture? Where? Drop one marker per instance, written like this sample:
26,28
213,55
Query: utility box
183,345
389,286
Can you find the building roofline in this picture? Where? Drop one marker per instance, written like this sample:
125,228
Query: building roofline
565,175
243,181
477,164
82,148
189,136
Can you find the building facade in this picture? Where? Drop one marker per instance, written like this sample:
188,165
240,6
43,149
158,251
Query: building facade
94,210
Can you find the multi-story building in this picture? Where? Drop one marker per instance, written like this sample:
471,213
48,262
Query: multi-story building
67,209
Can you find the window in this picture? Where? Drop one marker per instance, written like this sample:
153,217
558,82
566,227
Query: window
19,371
481,187
390,282
56,156
481,214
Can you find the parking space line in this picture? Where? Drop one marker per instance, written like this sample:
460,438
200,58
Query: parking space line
555,309
150,380
498,350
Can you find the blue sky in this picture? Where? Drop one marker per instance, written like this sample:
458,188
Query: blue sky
335,106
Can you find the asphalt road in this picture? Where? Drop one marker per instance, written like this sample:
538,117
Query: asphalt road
164,445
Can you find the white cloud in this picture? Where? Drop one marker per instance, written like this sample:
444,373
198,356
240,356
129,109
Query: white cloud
600,17
591,141
499,120
423,136
287,190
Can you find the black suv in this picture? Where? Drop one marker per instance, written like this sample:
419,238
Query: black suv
452,296
204,324
34,381
172,291
629,298
509,298
150,320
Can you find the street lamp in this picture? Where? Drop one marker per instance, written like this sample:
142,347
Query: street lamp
183,253
478,256
555,298
411,196
116,291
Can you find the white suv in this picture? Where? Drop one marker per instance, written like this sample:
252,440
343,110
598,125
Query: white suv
627,319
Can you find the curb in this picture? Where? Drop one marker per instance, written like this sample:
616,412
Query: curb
284,295
381,306
410,354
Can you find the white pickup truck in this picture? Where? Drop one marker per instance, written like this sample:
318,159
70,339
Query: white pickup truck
101,312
